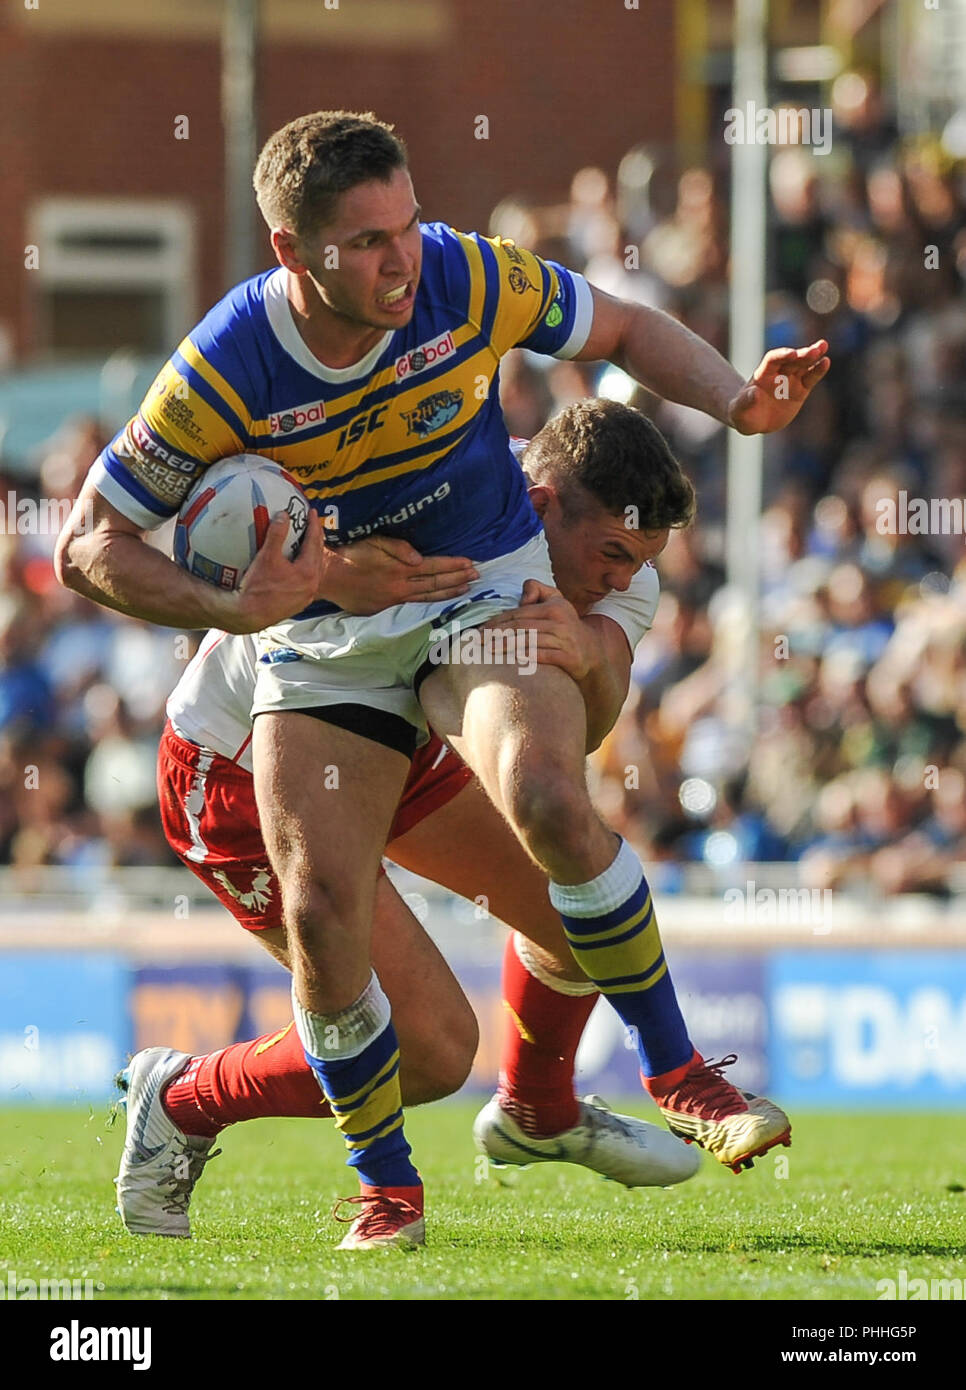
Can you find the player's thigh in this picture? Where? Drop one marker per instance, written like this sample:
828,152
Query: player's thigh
507,723
467,846
326,799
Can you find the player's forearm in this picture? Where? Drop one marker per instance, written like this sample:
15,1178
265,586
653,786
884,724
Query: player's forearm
605,685
604,700
122,572
676,364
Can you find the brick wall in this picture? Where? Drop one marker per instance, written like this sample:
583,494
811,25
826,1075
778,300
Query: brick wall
91,111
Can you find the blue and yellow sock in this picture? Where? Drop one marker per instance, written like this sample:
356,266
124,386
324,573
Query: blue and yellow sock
355,1056
612,931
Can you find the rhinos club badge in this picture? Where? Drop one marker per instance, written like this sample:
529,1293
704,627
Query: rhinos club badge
433,412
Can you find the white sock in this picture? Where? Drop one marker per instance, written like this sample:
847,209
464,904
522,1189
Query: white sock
604,893
343,1035
532,965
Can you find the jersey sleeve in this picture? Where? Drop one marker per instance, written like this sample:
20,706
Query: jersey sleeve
514,298
565,327
634,609
190,418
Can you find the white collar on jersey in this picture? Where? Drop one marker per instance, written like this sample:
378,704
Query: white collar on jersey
283,326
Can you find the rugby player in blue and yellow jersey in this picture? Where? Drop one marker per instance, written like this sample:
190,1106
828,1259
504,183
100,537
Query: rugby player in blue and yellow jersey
367,364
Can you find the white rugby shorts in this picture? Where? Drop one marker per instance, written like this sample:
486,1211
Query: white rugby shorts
340,660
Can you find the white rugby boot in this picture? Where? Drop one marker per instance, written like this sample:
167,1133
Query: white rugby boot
619,1147
160,1163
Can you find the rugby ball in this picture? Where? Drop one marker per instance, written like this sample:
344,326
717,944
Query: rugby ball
224,519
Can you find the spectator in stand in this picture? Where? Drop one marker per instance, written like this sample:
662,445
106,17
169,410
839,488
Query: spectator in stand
930,857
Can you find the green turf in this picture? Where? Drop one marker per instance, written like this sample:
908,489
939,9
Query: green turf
863,1198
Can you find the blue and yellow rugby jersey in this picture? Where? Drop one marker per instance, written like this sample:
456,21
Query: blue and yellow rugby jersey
409,441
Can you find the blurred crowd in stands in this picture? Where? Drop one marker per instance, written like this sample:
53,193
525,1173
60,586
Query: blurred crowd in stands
858,768
82,693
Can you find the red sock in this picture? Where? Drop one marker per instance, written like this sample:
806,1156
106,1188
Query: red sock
413,1195
540,1039
247,1081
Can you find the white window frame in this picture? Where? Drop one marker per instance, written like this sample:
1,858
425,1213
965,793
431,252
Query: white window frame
170,269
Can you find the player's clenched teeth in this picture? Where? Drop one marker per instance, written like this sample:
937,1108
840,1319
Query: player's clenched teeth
394,296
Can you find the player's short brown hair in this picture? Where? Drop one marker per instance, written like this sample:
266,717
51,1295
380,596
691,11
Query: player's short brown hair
598,450
304,167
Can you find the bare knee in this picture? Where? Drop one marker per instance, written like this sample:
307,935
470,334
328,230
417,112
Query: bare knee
551,813
439,1065
315,911
328,945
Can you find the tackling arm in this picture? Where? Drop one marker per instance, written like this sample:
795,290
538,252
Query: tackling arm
606,683
593,650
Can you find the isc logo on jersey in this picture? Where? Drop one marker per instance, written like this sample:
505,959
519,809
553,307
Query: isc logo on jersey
426,355
285,421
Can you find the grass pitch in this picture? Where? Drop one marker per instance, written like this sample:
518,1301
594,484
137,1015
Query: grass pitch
855,1200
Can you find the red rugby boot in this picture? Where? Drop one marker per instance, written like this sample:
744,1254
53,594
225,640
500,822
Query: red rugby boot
702,1108
388,1216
